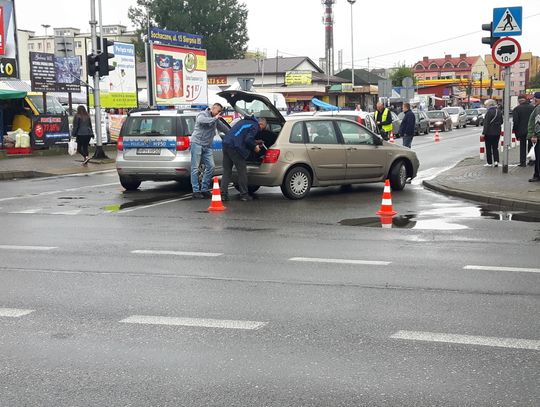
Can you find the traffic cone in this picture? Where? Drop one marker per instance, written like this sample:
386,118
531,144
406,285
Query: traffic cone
386,204
392,140
216,205
437,137
386,222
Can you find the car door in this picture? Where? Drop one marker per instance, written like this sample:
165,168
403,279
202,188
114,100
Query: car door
366,158
325,150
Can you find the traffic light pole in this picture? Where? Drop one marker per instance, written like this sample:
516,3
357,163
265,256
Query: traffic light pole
507,128
99,153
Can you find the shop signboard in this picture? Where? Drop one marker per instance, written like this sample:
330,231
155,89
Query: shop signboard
49,73
179,75
346,87
178,39
8,43
119,88
298,78
217,80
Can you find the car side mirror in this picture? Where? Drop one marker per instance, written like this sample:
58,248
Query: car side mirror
377,140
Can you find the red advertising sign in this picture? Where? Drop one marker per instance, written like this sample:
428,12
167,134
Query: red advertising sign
2,36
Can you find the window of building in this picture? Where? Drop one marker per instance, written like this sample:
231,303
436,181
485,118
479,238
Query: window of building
433,66
30,47
448,65
522,74
79,44
512,83
463,64
419,67
522,64
39,46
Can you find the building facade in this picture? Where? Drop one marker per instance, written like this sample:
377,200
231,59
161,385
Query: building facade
521,72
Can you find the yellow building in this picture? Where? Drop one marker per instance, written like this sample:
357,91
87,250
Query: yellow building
521,72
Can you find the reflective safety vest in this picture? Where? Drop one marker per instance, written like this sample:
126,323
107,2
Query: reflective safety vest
386,127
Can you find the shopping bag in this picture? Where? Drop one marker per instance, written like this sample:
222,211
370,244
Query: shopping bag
72,147
532,156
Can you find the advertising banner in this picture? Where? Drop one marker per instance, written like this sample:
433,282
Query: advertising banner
175,38
50,129
8,48
179,76
119,88
298,78
49,73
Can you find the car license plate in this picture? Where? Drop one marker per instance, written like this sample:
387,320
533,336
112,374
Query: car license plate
148,151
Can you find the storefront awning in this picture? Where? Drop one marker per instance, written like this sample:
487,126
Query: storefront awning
6,94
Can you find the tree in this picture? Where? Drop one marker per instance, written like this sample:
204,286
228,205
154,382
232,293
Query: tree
400,73
221,23
534,82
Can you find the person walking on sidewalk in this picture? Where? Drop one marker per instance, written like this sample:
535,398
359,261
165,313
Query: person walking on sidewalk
82,132
201,141
383,118
492,132
533,134
408,125
238,143
520,117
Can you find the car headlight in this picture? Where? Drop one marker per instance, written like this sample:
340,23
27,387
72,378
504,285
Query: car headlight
438,123
475,119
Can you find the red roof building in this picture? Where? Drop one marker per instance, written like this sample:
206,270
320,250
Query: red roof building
462,67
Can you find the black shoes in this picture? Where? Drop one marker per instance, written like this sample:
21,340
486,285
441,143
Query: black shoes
207,194
224,198
534,179
197,195
522,165
246,198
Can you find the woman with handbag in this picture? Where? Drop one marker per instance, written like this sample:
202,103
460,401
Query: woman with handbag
82,132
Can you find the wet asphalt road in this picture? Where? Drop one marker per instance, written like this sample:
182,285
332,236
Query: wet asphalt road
144,298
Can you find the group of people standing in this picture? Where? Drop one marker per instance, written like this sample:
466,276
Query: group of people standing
407,128
526,126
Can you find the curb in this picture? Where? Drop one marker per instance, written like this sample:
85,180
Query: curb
10,175
492,200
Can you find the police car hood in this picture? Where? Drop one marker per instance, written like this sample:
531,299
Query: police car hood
249,103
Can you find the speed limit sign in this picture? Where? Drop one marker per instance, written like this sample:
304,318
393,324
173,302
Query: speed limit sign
506,51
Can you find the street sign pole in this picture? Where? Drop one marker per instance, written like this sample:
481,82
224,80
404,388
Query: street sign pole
506,118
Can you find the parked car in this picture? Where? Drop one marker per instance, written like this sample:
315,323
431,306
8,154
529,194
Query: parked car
458,116
439,120
482,111
361,117
396,124
154,146
474,117
422,123
320,150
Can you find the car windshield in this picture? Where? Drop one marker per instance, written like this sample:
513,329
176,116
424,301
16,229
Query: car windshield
255,107
53,105
156,126
435,115
452,110
472,111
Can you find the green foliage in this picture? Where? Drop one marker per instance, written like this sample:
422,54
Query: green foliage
221,23
534,82
402,72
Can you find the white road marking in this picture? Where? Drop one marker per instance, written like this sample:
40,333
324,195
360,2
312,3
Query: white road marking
155,204
176,253
13,198
497,268
26,211
468,340
429,174
340,261
30,248
193,322
14,312
82,174
69,213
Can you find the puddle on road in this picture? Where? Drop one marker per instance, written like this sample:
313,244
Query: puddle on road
403,222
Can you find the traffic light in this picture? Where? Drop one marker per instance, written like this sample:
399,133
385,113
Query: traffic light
92,66
104,56
491,39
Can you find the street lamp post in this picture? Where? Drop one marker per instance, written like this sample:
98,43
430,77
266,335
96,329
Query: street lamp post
351,2
45,39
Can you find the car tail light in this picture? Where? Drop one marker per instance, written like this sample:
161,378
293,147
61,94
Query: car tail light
120,143
359,120
271,156
182,143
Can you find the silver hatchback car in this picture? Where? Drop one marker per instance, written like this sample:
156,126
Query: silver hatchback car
308,151
154,146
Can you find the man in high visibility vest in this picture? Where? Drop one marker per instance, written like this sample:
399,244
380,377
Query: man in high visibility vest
383,118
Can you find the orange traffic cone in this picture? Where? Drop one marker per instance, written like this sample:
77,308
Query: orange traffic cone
216,205
386,204
437,138
386,222
391,140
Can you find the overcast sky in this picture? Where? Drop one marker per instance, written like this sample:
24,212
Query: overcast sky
385,32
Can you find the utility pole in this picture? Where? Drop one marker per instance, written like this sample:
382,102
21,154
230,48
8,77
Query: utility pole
481,79
351,2
507,128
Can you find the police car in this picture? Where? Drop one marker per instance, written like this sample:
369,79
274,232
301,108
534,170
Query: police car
154,145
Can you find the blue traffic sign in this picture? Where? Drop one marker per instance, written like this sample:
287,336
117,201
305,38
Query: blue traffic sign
507,21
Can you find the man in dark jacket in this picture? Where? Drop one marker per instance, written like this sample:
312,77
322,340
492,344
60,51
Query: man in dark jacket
238,143
492,132
533,134
520,117
408,125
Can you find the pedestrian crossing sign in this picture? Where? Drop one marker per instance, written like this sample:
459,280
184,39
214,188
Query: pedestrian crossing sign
507,21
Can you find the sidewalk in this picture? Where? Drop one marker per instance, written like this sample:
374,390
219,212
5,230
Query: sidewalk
15,167
469,179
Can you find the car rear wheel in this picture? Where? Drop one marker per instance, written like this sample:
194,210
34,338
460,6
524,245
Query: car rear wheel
398,176
130,184
297,183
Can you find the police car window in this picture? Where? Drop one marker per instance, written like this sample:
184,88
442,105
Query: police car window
189,124
354,134
321,132
157,125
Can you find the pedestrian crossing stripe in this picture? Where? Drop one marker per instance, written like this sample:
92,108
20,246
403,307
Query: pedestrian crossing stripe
508,23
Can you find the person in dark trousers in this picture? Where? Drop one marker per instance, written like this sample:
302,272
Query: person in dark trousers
408,125
201,141
533,134
383,119
238,144
82,131
493,121
520,117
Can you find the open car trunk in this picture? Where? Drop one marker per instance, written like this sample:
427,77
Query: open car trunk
249,103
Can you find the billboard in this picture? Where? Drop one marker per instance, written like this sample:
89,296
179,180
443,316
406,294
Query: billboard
49,73
8,46
298,77
179,75
119,88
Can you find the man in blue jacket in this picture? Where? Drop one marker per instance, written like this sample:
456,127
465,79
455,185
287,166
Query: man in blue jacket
238,143
408,125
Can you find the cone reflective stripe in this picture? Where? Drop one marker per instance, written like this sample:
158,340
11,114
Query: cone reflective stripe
216,205
437,137
502,143
386,204
513,140
482,147
391,137
386,222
